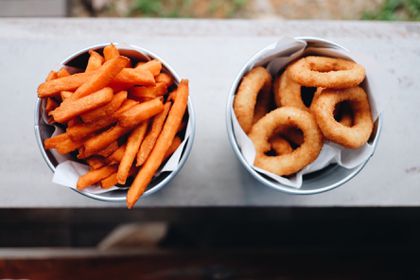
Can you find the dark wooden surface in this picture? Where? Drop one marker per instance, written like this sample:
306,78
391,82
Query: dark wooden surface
213,265
205,243
207,228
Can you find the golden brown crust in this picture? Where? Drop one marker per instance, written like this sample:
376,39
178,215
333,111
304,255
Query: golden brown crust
263,105
362,124
256,80
280,145
327,72
287,92
293,162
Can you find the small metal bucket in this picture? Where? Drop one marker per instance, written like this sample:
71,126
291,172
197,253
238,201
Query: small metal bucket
79,60
323,180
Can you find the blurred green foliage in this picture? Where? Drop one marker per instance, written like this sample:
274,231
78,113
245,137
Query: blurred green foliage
187,8
396,10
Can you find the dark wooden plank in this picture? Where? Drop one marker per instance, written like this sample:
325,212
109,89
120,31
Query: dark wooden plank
209,265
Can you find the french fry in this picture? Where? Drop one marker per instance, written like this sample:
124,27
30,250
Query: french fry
182,126
151,137
116,156
51,76
155,159
68,146
94,176
111,52
62,143
89,82
95,61
143,97
165,79
108,131
50,105
108,150
153,66
81,153
69,83
140,112
102,140
84,130
72,123
133,144
63,73
109,181
96,162
65,94
51,143
102,77
127,104
129,77
105,110
142,93
172,96
73,108
175,144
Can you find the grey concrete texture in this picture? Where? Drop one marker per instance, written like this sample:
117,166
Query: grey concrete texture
209,54
33,8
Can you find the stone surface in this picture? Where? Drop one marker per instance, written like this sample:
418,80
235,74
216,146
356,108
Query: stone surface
33,8
210,54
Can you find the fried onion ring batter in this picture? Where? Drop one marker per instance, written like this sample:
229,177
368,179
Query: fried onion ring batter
280,145
293,162
326,72
287,92
255,81
291,134
351,137
263,105
342,112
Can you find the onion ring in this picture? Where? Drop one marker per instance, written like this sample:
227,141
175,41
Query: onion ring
291,134
346,120
287,92
342,111
326,72
343,114
263,105
289,163
351,137
280,145
256,80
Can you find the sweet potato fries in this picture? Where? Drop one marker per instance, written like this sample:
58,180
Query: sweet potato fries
117,116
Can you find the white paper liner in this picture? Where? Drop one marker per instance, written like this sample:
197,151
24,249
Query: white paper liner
68,171
378,85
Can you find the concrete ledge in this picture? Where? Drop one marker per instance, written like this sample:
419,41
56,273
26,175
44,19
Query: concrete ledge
33,8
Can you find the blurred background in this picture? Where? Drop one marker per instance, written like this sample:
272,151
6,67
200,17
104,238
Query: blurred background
405,10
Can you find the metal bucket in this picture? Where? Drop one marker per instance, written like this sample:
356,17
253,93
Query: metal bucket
79,60
323,180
